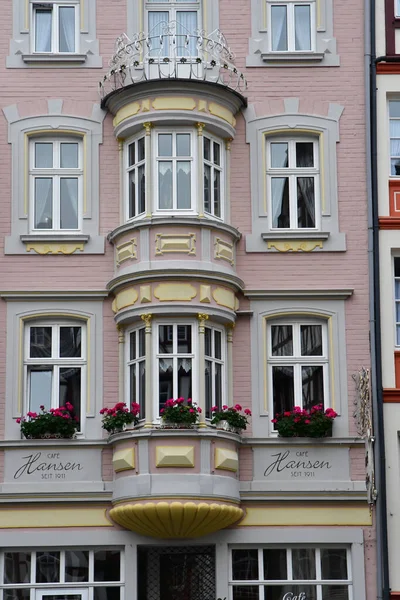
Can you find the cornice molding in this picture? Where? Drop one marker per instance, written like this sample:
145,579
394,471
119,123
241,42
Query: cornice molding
329,294
10,296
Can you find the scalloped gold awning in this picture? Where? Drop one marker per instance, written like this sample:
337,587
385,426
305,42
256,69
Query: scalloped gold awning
175,519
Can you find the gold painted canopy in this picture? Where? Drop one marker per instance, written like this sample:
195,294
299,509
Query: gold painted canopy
175,520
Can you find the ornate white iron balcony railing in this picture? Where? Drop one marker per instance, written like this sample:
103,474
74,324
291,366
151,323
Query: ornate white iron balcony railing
172,52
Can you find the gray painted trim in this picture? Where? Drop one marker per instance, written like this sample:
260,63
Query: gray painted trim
332,309
207,433
20,45
326,128
157,274
331,294
351,442
258,487
128,315
89,309
45,295
53,443
54,121
259,53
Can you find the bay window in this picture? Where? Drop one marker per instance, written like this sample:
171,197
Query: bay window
213,180
136,178
137,369
292,26
214,368
55,184
297,364
55,366
293,183
55,27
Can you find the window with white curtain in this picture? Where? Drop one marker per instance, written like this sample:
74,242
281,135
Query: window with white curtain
297,369
55,184
292,26
55,27
394,116
180,17
293,183
174,157
55,365
136,361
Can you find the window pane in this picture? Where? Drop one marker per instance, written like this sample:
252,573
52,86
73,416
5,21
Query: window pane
142,189
67,28
76,565
312,385
280,202
186,24
283,388
47,567
395,166
207,148
184,339
69,203
40,342
279,28
22,594
106,593
304,154
185,377
207,189
333,563
142,342
248,592
165,144
217,193
166,380
70,342
218,385
69,156
208,387
217,154
335,592
282,340
131,154
165,337
64,596
303,562
43,218
183,185
165,185
278,592
207,341
218,344
132,193
70,388
107,565
244,565
133,391
311,340
141,400
132,345
275,566
183,144
157,28
141,149
43,30
395,147
40,388
43,155
17,567
302,26
305,202
279,155
394,105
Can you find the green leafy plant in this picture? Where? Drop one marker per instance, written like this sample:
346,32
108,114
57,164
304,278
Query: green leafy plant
235,416
57,422
119,415
315,422
180,412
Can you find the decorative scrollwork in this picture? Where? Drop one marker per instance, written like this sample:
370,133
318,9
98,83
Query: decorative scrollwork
170,51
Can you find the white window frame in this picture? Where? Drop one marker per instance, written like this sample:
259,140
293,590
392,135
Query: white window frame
393,101
396,295
221,361
62,592
56,362
137,361
396,8
56,174
290,30
214,167
297,360
128,170
293,173
54,5
172,7
318,582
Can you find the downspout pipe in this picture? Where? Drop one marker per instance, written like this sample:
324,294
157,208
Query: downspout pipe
383,589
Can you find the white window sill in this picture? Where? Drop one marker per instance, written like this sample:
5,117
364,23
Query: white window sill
40,58
55,237
290,234
292,57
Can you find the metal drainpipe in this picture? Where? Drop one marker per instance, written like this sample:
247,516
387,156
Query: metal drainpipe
383,589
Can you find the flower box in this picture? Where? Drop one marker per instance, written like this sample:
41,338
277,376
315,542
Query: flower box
56,423
230,418
179,414
313,423
120,417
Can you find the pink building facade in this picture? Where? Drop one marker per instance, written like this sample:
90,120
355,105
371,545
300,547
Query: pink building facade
181,217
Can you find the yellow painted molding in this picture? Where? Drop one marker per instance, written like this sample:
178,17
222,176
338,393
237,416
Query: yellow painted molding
224,251
145,293
126,251
146,105
125,298
175,456
278,515
205,294
224,297
124,460
55,248
127,111
175,520
174,103
223,113
296,245
167,292
167,243
227,460
202,106
53,516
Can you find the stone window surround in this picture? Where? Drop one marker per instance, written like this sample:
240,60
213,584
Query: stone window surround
328,308
87,309
259,43
21,55
294,124
20,131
